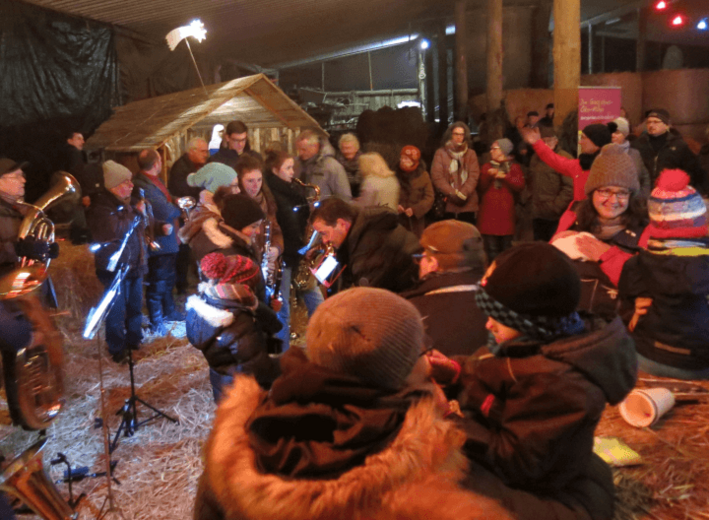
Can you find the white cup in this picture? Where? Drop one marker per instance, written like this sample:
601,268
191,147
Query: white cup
645,407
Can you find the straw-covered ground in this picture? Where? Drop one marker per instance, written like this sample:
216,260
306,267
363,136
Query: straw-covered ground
158,468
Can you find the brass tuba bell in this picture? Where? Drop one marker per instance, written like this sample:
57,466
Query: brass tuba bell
36,223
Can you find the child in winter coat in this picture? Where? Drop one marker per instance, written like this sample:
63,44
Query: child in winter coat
533,397
669,283
499,180
226,322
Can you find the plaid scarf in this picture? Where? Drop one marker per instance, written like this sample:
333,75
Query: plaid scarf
543,328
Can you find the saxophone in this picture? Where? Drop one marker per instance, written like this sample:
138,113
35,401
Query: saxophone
271,278
303,278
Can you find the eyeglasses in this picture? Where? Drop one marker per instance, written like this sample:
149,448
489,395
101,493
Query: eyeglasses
607,193
459,133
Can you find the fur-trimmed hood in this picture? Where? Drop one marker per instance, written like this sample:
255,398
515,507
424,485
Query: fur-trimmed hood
426,446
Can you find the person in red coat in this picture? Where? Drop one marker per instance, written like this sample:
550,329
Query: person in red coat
499,179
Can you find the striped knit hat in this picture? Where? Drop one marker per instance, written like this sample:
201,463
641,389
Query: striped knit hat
371,334
676,209
231,277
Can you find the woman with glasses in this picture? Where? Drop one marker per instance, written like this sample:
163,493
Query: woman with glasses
455,173
601,232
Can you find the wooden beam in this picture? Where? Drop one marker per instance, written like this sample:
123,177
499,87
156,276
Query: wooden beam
494,55
641,44
567,57
461,66
442,49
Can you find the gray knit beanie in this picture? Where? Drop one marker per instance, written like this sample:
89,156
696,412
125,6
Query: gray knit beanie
115,174
505,145
613,167
371,334
211,176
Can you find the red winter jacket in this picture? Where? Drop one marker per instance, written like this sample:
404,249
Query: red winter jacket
564,166
496,215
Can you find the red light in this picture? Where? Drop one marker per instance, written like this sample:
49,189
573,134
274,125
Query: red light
678,21
661,5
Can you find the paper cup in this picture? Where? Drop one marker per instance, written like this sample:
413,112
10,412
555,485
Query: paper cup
645,407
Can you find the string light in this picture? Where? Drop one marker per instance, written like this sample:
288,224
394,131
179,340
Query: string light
702,25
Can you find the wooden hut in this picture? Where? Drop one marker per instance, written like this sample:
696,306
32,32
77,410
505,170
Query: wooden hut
167,123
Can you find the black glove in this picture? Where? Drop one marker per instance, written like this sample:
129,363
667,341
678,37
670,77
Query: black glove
36,249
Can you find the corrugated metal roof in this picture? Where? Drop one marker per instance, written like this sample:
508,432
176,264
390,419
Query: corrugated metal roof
150,123
264,32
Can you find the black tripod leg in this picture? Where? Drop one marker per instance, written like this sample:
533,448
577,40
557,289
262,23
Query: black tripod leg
127,422
158,413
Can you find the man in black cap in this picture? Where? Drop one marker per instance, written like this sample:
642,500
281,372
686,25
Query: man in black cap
548,119
661,148
12,211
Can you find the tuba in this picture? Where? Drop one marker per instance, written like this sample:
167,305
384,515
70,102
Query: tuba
36,223
25,479
303,278
33,375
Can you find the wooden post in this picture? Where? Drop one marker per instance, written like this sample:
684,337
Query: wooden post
590,49
541,43
442,74
430,82
461,66
567,57
642,39
494,55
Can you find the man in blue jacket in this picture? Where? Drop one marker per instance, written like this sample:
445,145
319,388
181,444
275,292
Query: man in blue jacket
163,247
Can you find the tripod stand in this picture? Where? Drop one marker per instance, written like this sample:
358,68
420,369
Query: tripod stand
129,411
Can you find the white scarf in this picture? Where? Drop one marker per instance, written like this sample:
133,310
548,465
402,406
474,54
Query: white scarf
456,163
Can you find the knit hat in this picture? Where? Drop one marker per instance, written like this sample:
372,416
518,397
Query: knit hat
505,145
661,114
613,167
115,174
240,211
599,134
412,153
534,279
452,242
230,277
621,125
371,334
211,176
676,209
9,166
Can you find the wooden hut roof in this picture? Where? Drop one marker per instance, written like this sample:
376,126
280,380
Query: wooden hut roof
150,123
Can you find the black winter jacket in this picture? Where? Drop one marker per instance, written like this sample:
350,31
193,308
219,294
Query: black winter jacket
233,336
673,154
377,252
675,330
289,196
109,219
451,317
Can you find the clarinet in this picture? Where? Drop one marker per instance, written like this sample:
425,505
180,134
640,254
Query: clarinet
271,279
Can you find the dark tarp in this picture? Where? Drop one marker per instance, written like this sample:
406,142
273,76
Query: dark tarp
57,73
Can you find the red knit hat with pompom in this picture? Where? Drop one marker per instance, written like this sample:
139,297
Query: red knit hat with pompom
676,209
229,269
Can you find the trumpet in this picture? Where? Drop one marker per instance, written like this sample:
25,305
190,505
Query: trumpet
186,204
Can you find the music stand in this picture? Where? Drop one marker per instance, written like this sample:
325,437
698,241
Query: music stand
129,410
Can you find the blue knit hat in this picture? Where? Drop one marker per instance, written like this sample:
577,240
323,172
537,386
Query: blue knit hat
211,176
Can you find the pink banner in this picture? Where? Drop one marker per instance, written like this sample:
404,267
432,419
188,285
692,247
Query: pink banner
598,105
